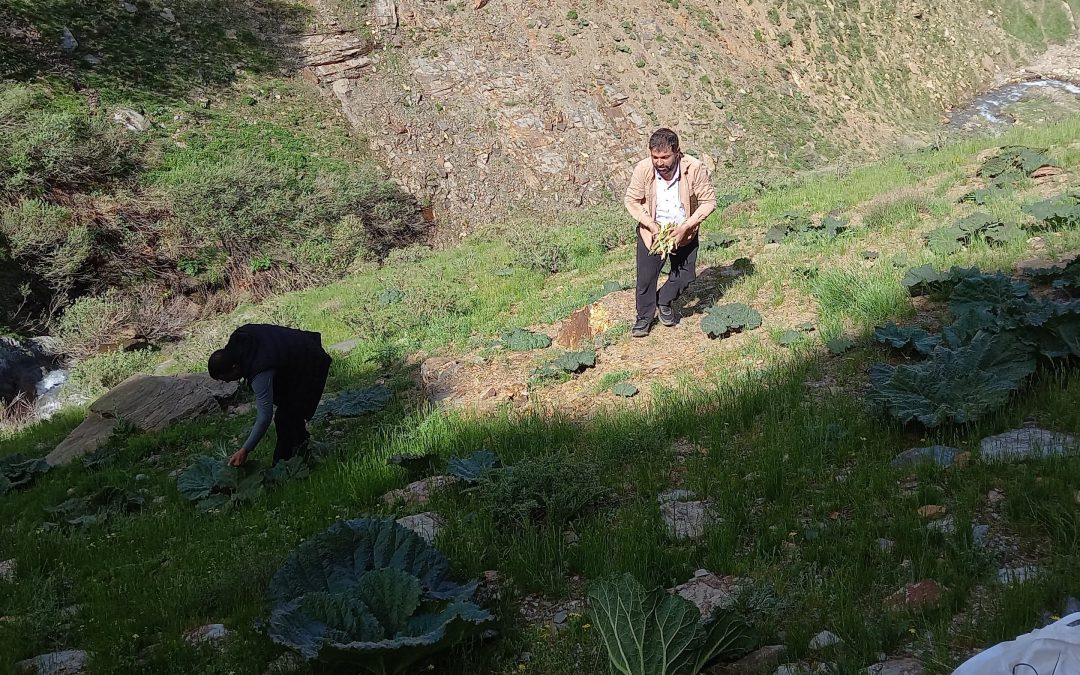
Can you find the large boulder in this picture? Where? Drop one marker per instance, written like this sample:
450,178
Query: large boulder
147,403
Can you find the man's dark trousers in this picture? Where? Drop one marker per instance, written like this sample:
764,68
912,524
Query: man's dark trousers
292,433
683,271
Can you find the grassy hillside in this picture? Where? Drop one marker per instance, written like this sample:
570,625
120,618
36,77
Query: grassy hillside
170,165
779,437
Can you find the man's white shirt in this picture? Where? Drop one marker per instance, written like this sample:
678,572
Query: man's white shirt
669,208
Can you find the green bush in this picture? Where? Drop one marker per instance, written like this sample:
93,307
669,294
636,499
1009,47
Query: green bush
43,149
94,376
46,240
250,208
551,488
90,322
553,246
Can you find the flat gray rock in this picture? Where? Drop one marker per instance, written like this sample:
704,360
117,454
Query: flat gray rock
418,492
686,520
154,402
427,525
710,592
210,633
220,390
941,455
93,433
1025,444
757,662
946,525
343,347
897,667
67,662
979,533
675,496
823,640
1018,575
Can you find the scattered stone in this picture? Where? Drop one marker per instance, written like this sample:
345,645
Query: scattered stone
979,534
710,592
141,477
427,525
677,495
886,544
68,42
241,409
129,8
897,667
210,633
345,346
437,377
67,662
167,15
946,525
757,662
490,587
560,616
418,492
932,511
91,59
1072,606
1018,575
995,497
686,520
288,663
919,595
1026,443
570,538
824,639
132,121
7,570
938,454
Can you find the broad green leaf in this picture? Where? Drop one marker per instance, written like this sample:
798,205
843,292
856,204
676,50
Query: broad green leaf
624,389
907,337
721,321
1060,212
839,345
207,476
17,471
521,340
392,595
355,402
946,240
470,469
575,362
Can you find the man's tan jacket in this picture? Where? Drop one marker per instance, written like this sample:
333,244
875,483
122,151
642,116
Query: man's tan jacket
695,191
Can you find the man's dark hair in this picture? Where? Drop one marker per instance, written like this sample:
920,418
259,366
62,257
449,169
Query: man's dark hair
219,365
664,139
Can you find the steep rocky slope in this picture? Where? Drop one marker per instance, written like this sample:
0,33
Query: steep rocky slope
487,108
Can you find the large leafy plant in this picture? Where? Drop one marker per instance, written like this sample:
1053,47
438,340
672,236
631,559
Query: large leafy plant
657,633
720,321
793,223
96,507
1012,163
950,240
355,402
370,595
999,330
521,340
212,484
17,471
1058,212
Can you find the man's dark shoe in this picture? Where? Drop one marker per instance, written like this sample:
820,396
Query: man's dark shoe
641,328
668,317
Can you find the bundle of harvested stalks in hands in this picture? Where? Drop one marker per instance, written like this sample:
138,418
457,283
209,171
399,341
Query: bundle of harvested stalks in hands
664,241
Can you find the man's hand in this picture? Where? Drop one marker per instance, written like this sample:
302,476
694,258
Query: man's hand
648,233
239,458
684,234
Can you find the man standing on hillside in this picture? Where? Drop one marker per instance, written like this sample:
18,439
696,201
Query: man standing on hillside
667,187
284,367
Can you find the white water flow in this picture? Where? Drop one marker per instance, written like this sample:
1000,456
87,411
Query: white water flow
988,107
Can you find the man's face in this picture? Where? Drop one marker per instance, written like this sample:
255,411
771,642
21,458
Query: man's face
665,160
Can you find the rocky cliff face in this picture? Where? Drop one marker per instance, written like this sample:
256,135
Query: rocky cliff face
481,109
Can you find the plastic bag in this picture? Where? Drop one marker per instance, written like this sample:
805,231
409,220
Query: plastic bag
1054,650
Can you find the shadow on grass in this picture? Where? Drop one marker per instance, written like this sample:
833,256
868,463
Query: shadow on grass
143,49
710,286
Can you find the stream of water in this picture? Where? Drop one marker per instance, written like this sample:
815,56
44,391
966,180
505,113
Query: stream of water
987,108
